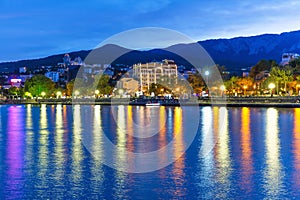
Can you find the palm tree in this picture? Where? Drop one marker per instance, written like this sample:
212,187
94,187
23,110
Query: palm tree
281,75
275,75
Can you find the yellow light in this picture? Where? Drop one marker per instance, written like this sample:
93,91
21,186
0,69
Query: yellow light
97,92
28,94
222,87
271,85
58,93
43,94
76,92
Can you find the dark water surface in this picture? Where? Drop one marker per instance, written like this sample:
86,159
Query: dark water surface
248,153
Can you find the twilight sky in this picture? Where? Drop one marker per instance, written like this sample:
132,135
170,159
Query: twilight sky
35,28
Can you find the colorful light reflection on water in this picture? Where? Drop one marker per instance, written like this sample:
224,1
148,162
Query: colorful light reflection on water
238,153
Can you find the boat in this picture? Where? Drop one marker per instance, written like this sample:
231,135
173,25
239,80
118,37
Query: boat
153,104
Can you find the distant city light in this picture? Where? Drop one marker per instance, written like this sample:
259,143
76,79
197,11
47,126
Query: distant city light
15,80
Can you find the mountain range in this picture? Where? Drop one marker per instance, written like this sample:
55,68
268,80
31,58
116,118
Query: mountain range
234,54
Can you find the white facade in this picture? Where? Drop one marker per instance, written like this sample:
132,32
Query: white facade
152,72
287,57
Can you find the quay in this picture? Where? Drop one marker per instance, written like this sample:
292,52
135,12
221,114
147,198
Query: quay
276,101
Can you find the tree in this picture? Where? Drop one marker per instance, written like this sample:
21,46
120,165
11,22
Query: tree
262,65
196,82
79,85
101,83
295,66
222,70
281,76
231,84
69,87
38,84
286,77
245,83
15,91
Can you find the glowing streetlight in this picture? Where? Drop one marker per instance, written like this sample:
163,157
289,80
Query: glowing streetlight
28,94
206,74
121,92
222,88
245,88
271,87
43,94
76,93
97,93
58,94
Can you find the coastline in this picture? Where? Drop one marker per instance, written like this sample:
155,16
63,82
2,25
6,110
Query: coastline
280,102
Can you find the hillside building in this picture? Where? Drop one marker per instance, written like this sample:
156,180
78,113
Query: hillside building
287,57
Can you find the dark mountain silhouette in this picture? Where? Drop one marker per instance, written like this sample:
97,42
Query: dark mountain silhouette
235,53
247,51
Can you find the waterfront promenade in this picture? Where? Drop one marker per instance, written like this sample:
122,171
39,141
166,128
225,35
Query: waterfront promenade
259,101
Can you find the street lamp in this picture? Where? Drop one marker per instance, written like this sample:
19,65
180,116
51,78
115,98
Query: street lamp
121,92
298,91
97,93
58,94
76,93
222,88
43,94
271,87
206,74
245,88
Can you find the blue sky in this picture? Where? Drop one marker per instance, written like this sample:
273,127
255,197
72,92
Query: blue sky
35,28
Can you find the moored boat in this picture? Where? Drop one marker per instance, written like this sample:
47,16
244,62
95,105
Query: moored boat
153,104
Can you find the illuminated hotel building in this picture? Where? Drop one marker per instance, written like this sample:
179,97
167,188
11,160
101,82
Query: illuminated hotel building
152,72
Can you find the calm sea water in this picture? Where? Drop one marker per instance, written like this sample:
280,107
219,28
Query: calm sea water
248,153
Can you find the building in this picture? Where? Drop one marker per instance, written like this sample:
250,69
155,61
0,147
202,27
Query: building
129,84
24,77
67,59
287,57
22,70
152,72
262,75
54,76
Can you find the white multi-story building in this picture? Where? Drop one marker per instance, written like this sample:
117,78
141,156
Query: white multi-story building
287,57
152,72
